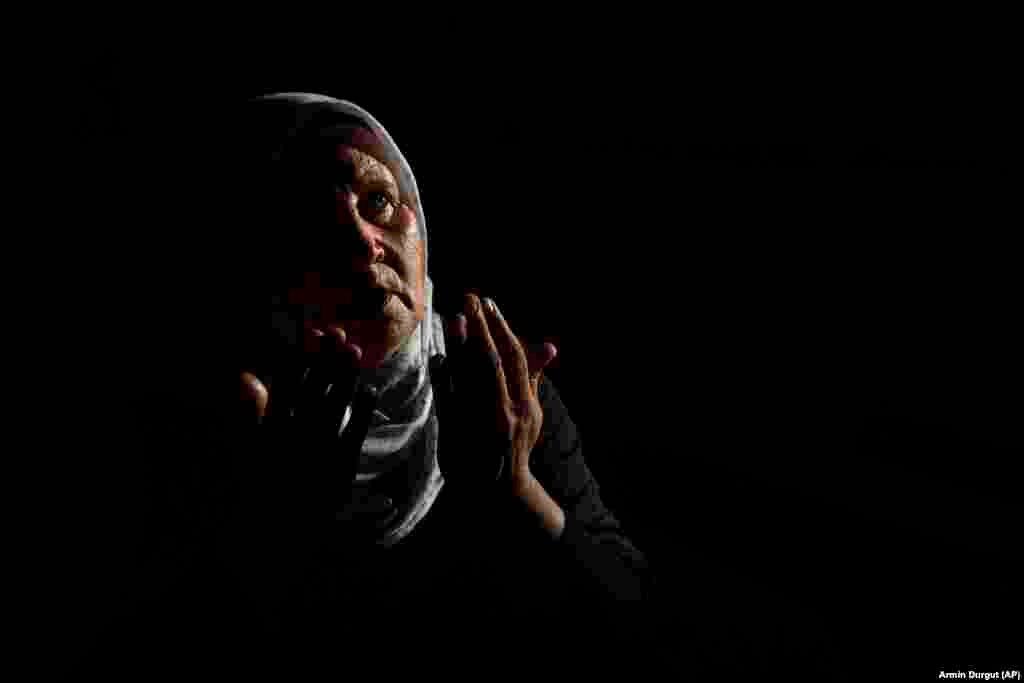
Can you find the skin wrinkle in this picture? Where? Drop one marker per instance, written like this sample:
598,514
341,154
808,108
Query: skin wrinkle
371,146
391,233
365,172
343,165
366,168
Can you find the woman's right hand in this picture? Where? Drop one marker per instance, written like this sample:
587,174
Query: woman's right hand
291,469
327,352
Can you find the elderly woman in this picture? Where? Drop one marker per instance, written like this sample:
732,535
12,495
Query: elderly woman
393,480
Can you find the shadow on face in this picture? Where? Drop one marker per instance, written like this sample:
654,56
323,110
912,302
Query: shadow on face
351,255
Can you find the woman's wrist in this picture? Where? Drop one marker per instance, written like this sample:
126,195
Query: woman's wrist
543,509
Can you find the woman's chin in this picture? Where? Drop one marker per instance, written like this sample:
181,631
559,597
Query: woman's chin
371,358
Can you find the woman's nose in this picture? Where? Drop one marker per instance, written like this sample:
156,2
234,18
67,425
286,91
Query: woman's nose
358,234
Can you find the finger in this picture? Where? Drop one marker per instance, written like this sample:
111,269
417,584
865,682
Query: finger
336,333
364,402
512,353
312,338
481,337
340,396
301,380
539,356
457,328
350,352
316,377
331,385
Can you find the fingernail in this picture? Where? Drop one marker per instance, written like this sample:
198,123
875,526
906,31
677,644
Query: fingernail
489,305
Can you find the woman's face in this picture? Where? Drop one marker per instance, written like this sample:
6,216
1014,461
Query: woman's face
370,278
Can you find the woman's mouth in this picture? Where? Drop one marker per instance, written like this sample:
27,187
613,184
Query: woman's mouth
363,304
351,304
370,303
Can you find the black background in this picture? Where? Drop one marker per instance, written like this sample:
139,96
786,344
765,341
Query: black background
784,310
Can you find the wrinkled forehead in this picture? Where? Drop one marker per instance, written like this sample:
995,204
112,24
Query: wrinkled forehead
361,138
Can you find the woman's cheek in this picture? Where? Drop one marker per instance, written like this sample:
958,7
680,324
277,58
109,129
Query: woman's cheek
406,220
413,261
419,280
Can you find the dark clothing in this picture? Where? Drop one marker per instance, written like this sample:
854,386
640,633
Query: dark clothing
476,580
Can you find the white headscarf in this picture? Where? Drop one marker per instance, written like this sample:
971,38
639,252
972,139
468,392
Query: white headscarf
405,396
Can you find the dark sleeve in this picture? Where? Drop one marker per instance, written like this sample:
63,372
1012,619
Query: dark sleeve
593,561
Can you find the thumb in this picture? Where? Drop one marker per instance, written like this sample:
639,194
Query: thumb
253,397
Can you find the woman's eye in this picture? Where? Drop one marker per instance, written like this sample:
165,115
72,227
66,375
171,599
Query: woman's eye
381,205
379,200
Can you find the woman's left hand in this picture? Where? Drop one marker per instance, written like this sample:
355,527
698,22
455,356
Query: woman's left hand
513,375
